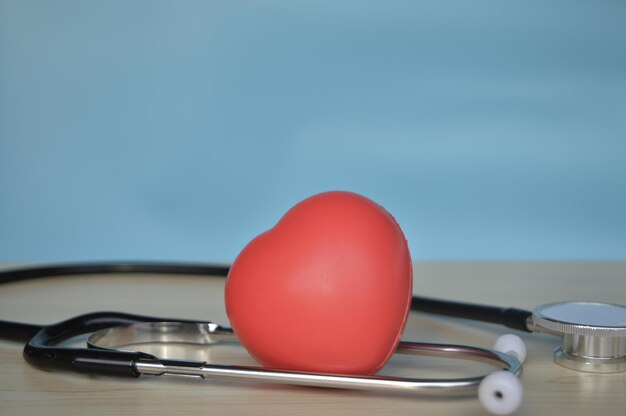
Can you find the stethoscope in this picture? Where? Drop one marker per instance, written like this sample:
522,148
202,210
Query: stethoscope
594,339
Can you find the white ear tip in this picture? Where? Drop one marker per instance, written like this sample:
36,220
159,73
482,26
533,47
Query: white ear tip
511,344
500,393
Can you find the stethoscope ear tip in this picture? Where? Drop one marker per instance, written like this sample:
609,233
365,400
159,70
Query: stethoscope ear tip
511,344
500,393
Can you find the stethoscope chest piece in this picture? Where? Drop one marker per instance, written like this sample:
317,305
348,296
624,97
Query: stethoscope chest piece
594,334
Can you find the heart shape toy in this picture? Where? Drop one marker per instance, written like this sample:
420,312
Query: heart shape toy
328,289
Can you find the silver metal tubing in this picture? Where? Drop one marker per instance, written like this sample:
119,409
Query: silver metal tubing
458,387
201,333
209,333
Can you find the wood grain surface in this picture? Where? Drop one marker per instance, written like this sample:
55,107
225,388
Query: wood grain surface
549,389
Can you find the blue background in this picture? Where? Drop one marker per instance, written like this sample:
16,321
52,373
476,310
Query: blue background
169,130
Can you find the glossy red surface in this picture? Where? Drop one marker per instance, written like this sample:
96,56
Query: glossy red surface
327,289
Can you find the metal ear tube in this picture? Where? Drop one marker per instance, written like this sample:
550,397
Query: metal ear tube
500,392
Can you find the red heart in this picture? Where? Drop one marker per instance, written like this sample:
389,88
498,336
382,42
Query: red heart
328,289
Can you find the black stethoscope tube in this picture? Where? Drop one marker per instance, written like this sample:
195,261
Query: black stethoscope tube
41,350
508,317
111,268
17,331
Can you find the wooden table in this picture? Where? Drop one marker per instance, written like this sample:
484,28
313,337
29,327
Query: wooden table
549,389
